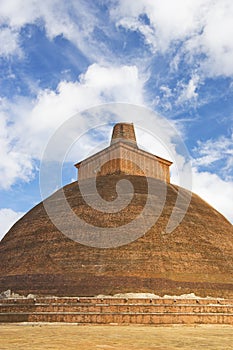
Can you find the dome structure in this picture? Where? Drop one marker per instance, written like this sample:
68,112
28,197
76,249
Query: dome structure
196,257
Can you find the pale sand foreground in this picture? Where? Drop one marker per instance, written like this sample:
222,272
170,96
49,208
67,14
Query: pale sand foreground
70,337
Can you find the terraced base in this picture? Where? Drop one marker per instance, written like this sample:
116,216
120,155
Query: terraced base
118,310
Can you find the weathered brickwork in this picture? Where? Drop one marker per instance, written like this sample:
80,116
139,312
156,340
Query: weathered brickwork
118,310
123,158
196,258
124,131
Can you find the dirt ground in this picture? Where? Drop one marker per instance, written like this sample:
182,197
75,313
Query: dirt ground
71,336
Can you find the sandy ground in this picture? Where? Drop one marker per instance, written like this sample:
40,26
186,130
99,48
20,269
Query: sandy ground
70,337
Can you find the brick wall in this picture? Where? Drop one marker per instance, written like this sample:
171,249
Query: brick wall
122,158
124,131
118,310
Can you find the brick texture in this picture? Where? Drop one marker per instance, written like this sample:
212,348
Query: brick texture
124,131
121,158
196,257
124,157
118,310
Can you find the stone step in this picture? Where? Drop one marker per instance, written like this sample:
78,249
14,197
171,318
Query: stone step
108,308
85,300
120,318
117,310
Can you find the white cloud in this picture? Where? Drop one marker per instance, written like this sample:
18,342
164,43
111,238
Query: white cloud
215,41
55,14
18,12
74,20
188,91
98,85
27,125
215,191
215,188
15,164
7,218
182,93
169,20
204,27
166,91
213,150
9,40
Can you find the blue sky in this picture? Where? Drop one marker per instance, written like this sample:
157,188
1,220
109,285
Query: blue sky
61,57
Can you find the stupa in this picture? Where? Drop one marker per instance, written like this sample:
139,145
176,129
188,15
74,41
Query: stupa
197,257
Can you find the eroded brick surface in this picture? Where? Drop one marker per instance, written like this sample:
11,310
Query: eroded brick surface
197,257
124,157
108,310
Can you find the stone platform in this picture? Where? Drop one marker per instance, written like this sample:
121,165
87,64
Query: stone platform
159,311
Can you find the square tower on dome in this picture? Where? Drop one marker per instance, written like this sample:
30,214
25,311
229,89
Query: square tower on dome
124,156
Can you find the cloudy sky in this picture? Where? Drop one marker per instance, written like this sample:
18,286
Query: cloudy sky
59,57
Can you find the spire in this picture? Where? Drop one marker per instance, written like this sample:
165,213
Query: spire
124,132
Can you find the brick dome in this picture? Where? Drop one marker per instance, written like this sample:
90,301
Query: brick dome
196,257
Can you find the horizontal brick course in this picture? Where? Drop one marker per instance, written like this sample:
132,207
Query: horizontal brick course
196,258
111,310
